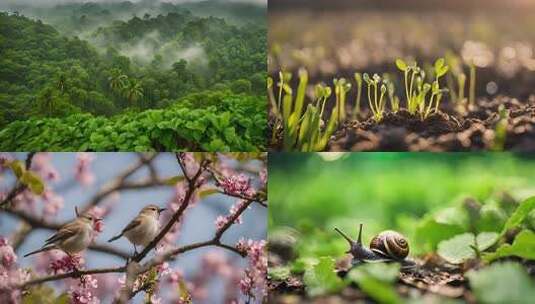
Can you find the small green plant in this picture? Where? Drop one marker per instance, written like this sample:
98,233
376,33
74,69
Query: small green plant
472,96
341,87
376,102
391,89
304,130
456,81
416,89
356,110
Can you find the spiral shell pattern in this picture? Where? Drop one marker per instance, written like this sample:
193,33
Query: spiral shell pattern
390,244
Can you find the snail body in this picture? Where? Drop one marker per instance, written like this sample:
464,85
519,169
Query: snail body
387,246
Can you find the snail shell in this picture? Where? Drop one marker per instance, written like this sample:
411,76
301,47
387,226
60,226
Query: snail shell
390,244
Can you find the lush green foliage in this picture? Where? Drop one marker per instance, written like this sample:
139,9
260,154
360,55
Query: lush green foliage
120,66
465,208
216,121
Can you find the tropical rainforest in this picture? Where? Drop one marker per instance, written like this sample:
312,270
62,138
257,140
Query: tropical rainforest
115,76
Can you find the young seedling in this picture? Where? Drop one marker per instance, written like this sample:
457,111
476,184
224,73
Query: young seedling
416,89
500,131
341,87
472,97
356,110
409,73
304,131
391,89
376,102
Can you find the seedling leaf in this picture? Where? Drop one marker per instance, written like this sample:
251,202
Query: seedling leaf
401,65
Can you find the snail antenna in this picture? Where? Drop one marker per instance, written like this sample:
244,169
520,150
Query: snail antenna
359,238
345,236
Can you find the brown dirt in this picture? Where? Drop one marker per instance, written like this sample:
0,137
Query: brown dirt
444,131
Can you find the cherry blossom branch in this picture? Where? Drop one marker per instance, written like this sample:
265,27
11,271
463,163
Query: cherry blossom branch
19,187
133,269
120,182
192,186
72,274
260,197
182,166
155,261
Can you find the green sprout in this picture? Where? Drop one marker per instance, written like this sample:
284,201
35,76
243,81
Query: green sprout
416,89
356,110
376,102
500,131
303,129
391,89
461,82
472,97
341,87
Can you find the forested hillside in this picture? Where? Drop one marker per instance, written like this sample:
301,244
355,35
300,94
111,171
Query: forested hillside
130,66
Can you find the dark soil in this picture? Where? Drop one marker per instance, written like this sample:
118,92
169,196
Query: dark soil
432,277
444,131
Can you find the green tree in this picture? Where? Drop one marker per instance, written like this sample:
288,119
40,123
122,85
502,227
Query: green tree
133,91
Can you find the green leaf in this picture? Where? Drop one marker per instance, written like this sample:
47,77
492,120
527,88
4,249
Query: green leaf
376,280
33,181
523,247
502,283
459,249
401,65
520,214
383,272
63,299
18,168
280,273
486,239
207,192
174,180
303,263
321,279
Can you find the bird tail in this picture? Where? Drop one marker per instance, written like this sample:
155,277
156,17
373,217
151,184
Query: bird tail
47,248
115,237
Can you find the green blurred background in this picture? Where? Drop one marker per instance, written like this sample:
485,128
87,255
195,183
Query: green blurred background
423,195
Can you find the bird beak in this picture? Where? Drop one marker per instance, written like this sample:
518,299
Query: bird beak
162,210
98,219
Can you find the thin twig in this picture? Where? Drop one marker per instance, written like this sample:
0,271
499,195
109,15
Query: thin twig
19,187
175,218
72,274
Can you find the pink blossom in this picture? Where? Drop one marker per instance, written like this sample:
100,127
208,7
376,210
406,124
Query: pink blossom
7,256
66,264
42,164
10,274
263,177
254,278
53,202
239,184
221,221
82,168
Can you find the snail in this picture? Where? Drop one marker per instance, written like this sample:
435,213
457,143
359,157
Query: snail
387,246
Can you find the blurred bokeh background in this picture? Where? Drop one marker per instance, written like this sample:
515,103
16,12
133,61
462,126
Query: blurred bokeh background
423,195
198,222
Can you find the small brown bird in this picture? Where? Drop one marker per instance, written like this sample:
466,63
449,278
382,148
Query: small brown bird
143,228
72,238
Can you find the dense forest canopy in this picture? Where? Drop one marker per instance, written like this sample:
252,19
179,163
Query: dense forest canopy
91,59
